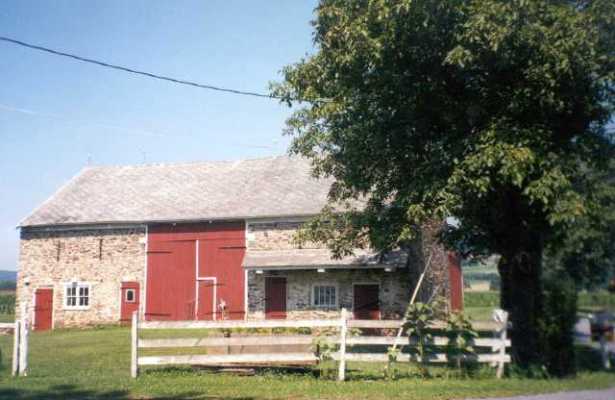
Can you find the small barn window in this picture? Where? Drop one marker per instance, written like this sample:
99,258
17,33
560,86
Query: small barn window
77,296
324,296
130,296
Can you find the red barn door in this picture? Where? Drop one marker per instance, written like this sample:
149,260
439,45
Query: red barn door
129,301
171,278
43,309
195,269
455,278
366,302
275,298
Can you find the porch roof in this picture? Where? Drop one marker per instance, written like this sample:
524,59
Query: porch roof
321,258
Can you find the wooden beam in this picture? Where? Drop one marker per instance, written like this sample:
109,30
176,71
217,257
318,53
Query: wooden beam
436,358
220,341
342,353
230,324
134,345
247,359
16,337
406,341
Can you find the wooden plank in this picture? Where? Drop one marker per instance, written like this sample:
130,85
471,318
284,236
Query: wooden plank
7,325
16,337
134,348
436,358
236,324
225,359
395,324
502,349
342,353
220,341
23,343
405,341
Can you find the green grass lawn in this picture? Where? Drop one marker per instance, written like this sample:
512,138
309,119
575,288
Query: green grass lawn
480,305
78,364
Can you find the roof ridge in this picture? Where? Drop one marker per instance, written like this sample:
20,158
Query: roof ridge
190,163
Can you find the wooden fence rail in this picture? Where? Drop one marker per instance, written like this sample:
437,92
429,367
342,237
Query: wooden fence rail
493,348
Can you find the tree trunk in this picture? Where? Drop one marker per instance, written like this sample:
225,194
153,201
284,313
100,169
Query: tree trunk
504,268
522,297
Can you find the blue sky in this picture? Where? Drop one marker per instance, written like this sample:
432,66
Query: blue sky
55,113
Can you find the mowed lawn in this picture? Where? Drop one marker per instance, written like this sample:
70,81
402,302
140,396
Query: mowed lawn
79,364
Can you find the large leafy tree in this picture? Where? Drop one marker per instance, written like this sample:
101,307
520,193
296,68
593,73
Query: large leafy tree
482,110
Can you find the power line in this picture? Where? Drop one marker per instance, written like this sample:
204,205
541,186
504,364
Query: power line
149,74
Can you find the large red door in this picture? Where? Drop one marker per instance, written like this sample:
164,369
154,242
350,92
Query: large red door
43,309
195,269
366,303
171,279
275,298
129,301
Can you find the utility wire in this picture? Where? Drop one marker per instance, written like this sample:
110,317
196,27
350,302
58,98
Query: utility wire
149,74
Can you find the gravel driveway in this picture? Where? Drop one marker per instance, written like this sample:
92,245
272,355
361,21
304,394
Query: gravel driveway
607,394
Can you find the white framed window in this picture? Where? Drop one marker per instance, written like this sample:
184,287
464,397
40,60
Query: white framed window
77,296
324,295
130,295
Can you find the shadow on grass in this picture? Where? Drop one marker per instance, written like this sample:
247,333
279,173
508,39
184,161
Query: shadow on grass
71,392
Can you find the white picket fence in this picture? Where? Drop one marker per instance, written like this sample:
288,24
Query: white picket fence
494,348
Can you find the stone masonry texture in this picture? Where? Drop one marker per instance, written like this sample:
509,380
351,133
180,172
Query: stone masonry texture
395,287
102,257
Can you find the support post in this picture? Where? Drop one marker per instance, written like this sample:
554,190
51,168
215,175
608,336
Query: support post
134,343
16,335
503,319
604,351
343,333
23,341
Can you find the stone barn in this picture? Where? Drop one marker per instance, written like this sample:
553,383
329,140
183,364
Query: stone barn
205,241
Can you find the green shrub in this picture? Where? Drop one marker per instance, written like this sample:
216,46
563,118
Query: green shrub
7,304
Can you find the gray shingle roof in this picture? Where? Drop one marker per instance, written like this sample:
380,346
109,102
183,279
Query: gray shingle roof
267,187
321,258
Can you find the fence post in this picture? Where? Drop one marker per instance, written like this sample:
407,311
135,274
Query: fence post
23,341
502,352
343,333
16,334
134,343
604,351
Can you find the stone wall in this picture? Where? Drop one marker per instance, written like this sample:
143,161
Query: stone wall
396,287
274,235
394,291
102,257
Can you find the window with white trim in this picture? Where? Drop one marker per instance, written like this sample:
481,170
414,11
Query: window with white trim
324,296
77,295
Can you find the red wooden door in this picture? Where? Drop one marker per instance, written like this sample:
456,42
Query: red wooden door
130,300
366,302
43,309
171,277
207,302
455,279
275,298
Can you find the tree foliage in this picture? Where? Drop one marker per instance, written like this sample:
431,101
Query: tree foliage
484,110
